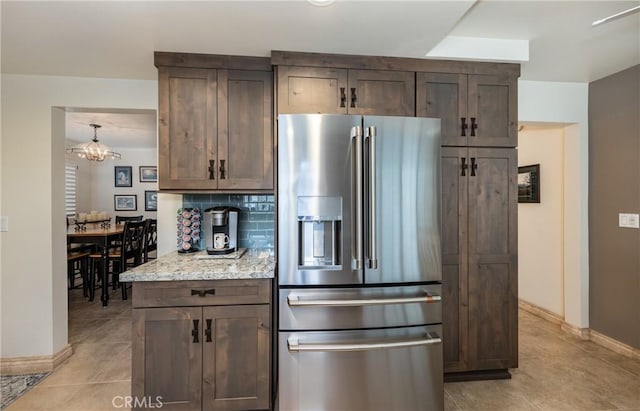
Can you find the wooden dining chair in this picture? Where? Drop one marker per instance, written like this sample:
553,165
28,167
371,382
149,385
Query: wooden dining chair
151,242
78,264
122,219
128,254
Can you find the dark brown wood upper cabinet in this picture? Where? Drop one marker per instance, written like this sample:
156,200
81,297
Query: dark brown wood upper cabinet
345,91
476,110
187,127
245,131
304,90
215,129
479,247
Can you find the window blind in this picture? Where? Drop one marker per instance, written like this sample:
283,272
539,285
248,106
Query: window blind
70,184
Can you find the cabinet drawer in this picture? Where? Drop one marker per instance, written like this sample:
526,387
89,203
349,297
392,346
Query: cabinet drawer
200,293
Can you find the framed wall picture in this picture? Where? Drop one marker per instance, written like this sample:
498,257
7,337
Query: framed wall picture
529,184
148,174
125,202
150,200
122,176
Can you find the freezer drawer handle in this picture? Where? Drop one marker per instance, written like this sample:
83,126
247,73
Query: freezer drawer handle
293,343
294,301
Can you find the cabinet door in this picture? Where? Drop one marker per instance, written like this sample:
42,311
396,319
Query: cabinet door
236,358
381,92
187,127
245,130
493,111
454,259
493,299
444,96
308,90
167,356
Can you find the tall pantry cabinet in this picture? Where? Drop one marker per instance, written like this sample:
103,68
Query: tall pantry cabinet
479,218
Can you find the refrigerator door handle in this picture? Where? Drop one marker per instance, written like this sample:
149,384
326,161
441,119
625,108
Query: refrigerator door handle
356,138
294,300
293,344
373,241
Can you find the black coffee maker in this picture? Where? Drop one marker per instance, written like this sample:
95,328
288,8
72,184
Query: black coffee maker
221,229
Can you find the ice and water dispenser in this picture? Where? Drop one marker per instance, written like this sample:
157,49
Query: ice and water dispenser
319,232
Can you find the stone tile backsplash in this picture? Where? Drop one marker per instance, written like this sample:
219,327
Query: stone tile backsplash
256,218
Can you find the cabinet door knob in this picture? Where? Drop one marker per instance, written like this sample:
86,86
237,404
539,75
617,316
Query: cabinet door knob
195,332
464,167
463,126
474,166
222,177
353,97
343,97
212,169
474,126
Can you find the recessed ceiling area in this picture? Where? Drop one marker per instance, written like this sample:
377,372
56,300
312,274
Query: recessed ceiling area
128,129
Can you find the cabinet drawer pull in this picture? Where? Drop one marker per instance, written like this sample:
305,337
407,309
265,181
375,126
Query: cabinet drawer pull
196,331
221,169
203,293
207,331
212,169
464,167
343,97
353,97
474,166
463,126
474,126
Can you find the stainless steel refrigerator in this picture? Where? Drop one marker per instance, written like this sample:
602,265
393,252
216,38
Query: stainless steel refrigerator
359,265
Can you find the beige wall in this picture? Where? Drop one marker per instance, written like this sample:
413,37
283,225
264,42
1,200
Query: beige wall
540,225
567,104
103,188
33,295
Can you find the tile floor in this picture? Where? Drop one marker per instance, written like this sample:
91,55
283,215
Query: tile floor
557,371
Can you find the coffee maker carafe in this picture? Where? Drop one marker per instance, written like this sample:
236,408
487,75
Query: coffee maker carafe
221,229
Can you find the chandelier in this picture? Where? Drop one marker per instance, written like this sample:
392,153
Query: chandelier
93,150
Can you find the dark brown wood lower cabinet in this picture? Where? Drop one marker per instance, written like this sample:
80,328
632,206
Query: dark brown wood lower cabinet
479,246
202,358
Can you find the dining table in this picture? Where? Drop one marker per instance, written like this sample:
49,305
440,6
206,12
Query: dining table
101,235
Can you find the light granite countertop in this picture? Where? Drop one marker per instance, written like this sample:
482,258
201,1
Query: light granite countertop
195,266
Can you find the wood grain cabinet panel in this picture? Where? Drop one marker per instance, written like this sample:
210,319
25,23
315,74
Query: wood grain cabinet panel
215,357
476,110
479,195
166,362
245,131
215,129
187,127
236,368
305,90
327,90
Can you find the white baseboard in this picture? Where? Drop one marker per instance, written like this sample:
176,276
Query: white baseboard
582,333
34,364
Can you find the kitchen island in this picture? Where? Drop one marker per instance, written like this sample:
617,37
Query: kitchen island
201,336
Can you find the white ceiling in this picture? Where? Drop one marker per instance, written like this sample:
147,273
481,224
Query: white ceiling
116,39
120,128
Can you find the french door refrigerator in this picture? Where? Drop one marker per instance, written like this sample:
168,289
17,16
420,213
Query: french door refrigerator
359,265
